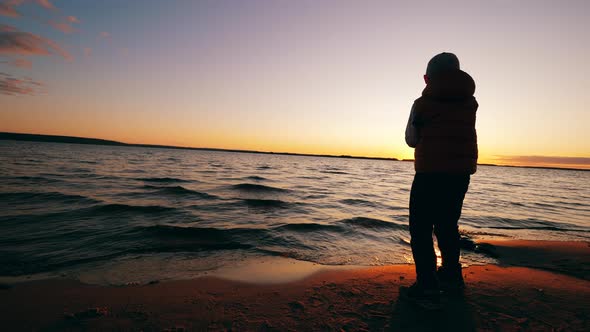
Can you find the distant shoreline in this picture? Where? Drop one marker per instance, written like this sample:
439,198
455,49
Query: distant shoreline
96,141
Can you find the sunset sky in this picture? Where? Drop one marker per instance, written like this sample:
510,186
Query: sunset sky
308,76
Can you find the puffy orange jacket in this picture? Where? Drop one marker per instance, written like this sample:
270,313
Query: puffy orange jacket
445,121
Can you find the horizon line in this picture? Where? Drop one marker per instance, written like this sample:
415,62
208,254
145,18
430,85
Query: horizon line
99,141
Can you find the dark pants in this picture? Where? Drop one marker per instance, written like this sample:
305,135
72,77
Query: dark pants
436,201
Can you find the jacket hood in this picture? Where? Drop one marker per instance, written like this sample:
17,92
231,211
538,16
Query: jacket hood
452,84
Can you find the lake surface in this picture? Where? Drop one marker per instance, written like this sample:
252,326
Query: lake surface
116,214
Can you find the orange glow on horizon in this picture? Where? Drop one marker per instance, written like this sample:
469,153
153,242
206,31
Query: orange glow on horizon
220,141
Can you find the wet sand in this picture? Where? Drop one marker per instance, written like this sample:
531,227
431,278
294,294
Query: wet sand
550,294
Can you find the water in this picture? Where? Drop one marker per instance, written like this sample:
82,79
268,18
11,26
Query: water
127,213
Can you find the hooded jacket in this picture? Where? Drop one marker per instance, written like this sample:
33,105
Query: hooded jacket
442,125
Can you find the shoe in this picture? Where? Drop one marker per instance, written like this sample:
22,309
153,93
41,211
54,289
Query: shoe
450,280
426,298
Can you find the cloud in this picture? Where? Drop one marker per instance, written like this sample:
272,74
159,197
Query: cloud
20,62
14,44
62,26
24,43
13,86
8,10
581,162
65,26
45,4
7,28
72,19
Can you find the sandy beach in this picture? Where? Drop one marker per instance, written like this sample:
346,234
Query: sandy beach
538,286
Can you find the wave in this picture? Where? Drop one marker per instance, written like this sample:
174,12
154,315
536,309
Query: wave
162,179
257,188
92,176
191,232
180,191
168,238
136,171
397,208
27,197
255,235
126,208
356,222
266,203
53,174
308,227
372,223
210,238
545,205
470,234
334,172
18,163
36,179
316,196
14,267
512,184
573,203
74,170
312,177
197,238
91,213
546,228
355,202
516,224
255,178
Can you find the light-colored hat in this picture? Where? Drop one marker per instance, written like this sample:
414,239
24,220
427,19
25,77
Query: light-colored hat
441,62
